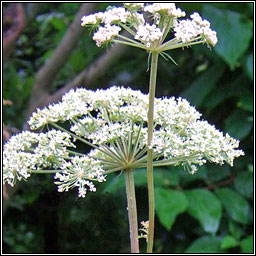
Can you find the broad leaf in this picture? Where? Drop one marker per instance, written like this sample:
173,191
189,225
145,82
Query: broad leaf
169,203
206,208
235,230
205,244
244,184
247,245
234,33
246,101
235,205
201,87
249,66
228,242
241,129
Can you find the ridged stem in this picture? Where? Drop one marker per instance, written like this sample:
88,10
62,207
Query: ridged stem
132,210
150,178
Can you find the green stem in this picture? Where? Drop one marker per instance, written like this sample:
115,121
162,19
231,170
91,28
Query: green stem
170,45
132,210
130,44
151,203
44,171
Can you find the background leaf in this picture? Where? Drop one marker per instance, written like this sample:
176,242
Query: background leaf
235,230
205,244
169,203
206,208
235,205
247,245
238,130
228,242
244,184
234,33
200,88
162,177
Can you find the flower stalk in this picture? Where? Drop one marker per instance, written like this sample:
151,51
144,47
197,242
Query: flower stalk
150,177
132,210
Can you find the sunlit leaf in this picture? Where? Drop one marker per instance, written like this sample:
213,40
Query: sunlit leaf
228,242
247,245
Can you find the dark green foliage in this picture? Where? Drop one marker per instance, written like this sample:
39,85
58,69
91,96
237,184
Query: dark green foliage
208,212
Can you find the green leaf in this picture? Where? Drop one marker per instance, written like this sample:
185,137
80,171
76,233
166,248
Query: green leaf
78,61
222,93
228,242
244,184
246,101
234,33
249,66
235,205
205,244
238,124
169,203
247,245
206,208
58,23
235,230
201,87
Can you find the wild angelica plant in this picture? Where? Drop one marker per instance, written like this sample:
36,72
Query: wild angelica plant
119,123
113,123
150,37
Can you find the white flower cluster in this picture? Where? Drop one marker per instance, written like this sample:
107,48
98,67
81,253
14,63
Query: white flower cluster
78,173
105,34
165,18
114,118
148,34
92,19
165,8
34,152
114,123
29,151
189,30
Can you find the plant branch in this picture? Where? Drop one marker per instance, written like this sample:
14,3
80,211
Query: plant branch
90,74
47,73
